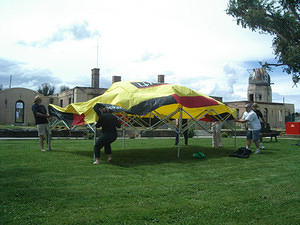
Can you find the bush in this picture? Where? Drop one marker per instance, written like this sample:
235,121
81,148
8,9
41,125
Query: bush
224,135
90,135
191,131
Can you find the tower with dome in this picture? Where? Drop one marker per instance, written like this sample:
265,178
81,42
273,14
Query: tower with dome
259,87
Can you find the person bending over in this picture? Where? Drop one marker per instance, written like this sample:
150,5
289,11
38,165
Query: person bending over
109,123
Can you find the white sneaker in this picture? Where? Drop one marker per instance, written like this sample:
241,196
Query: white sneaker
258,151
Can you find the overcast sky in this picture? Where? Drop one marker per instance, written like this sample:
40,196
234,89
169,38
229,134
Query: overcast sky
193,43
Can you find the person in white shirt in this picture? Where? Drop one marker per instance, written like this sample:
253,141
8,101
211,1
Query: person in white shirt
254,127
216,134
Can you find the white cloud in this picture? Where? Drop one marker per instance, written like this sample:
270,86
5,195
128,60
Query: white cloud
194,43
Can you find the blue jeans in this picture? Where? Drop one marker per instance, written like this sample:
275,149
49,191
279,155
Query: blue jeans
104,140
253,134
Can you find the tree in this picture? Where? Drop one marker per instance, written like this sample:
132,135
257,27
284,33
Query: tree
64,88
281,19
46,89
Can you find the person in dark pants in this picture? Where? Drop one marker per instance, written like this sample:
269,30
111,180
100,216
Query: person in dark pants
108,122
41,120
185,133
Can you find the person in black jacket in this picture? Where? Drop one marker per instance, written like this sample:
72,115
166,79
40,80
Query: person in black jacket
108,122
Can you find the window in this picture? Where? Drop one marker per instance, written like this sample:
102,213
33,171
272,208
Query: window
260,97
70,100
61,103
19,112
251,98
51,100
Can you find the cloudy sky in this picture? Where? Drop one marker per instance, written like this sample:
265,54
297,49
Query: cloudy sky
193,43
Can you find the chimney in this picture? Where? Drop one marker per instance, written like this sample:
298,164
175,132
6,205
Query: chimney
116,79
161,79
95,78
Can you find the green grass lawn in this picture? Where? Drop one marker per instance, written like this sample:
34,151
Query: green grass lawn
148,184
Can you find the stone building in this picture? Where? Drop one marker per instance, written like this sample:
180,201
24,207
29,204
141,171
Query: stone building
16,103
260,92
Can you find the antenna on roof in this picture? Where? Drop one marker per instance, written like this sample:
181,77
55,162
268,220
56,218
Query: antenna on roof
10,78
97,52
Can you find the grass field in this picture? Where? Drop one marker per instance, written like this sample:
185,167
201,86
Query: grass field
148,184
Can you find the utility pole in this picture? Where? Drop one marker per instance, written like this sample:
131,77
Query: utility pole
10,78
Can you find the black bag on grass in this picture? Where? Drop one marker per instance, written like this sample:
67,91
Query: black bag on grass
241,153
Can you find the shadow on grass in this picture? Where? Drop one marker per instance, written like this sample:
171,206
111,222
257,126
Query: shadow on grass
134,156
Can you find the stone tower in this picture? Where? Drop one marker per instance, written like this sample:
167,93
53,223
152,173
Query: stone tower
161,79
115,79
259,87
95,78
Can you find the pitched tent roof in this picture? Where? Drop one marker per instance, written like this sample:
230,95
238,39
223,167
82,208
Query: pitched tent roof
141,98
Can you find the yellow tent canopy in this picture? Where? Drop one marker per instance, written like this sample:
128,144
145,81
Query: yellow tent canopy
142,98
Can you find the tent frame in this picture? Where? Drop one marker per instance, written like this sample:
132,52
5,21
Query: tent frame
162,119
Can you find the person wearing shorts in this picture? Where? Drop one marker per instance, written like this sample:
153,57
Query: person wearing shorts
262,123
254,127
41,120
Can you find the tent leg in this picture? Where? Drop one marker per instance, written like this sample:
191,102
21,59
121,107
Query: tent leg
49,140
235,139
179,134
123,141
95,139
178,151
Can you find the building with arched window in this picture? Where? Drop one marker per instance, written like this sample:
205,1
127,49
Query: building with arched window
16,103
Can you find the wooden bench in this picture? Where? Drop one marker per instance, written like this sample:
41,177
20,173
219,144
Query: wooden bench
271,134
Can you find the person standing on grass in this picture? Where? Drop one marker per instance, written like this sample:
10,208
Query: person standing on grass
41,120
262,123
109,123
185,133
216,134
254,127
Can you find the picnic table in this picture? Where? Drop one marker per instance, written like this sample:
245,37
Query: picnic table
271,134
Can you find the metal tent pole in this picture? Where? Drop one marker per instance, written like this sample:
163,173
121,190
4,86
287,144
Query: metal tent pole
179,133
123,134
49,138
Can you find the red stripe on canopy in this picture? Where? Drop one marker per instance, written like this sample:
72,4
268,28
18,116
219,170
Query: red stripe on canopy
195,101
78,119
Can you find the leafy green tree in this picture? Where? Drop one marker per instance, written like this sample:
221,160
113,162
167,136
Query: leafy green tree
46,89
281,19
64,88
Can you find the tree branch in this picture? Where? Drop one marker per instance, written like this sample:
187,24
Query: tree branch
273,64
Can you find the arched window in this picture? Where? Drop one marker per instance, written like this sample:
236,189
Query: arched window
19,112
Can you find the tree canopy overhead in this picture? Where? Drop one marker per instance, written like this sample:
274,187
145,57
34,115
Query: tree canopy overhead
46,89
281,19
